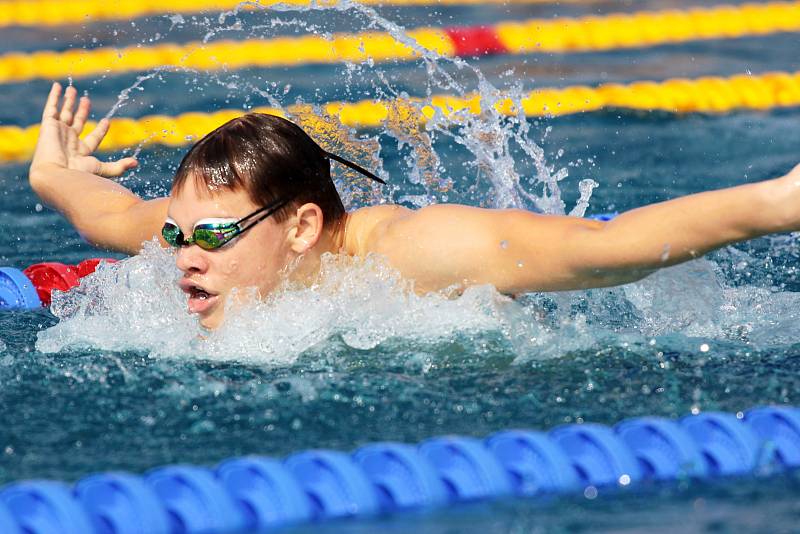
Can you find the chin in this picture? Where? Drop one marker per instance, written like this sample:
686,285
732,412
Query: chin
211,322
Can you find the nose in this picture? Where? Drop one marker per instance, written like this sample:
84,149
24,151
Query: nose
192,259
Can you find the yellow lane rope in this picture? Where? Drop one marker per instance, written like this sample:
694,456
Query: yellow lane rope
707,94
58,12
638,29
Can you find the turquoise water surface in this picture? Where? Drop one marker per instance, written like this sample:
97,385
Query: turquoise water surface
115,377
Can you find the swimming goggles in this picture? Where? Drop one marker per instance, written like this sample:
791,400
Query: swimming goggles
210,234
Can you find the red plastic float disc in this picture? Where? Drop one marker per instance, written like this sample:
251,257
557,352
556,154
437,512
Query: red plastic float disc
475,41
49,276
87,267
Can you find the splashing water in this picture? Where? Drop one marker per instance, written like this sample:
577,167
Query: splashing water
490,138
136,305
362,302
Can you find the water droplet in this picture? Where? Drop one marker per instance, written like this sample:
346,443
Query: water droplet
590,492
624,480
503,244
665,252
704,347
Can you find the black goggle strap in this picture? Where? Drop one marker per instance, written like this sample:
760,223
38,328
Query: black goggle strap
269,209
356,167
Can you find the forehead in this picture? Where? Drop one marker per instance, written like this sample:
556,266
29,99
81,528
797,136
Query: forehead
193,201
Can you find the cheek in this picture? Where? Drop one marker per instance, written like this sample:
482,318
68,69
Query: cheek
252,266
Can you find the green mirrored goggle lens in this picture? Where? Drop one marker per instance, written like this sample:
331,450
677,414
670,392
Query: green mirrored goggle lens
171,234
207,237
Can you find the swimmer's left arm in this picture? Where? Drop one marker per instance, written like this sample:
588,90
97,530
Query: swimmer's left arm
518,251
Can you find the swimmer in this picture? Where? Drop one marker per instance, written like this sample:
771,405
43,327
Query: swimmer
255,196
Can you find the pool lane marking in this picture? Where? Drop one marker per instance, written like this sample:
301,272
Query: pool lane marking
678,95
595,33
38,13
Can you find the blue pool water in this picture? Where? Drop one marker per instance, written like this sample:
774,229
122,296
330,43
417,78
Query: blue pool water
116,378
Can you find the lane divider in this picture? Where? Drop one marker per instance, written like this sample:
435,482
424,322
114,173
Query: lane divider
678,95
596,33
39,13
33,287
258,494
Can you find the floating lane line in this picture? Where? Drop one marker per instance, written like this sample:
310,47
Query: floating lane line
677,95
264,494
596,33
39,13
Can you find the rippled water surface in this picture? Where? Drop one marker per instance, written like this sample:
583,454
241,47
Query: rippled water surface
118,376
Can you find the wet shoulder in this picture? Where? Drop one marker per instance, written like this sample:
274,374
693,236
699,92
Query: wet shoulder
366,224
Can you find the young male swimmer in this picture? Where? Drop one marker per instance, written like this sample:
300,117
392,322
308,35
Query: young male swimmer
256,195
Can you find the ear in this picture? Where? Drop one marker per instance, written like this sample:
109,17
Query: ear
307,229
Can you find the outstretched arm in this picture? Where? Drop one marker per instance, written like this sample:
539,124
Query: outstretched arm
67,177
518,251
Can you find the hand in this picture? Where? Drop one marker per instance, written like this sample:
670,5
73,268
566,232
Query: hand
59,143
793,179
784,198
794,176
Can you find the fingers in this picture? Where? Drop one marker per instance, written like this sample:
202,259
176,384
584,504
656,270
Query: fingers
51,106
92,141
67,109
111,169
84,106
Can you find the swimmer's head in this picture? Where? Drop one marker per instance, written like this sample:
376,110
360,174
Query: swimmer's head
267,157
250,201
234,172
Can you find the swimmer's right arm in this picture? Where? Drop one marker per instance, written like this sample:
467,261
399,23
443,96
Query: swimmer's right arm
67,177
516,251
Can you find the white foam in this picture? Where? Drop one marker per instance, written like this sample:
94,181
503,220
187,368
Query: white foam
364,303
130,305
135,305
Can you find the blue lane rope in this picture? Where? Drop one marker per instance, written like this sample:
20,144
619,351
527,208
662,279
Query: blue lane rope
257,494
17,292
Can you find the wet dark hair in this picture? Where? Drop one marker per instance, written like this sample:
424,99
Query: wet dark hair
270,158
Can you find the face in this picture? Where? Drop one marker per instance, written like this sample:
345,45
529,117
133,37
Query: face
254,259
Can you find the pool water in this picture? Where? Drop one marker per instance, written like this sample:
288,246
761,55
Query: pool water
118,376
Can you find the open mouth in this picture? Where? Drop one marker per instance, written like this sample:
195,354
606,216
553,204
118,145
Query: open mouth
200,299
197,292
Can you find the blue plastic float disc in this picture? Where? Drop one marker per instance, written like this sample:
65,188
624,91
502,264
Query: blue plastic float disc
7,523
597,454
468,469
17,291
664,449
534,461
195,501
403,477
728,446
121,503
336,486
45,507
605,217
267,493
779,428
